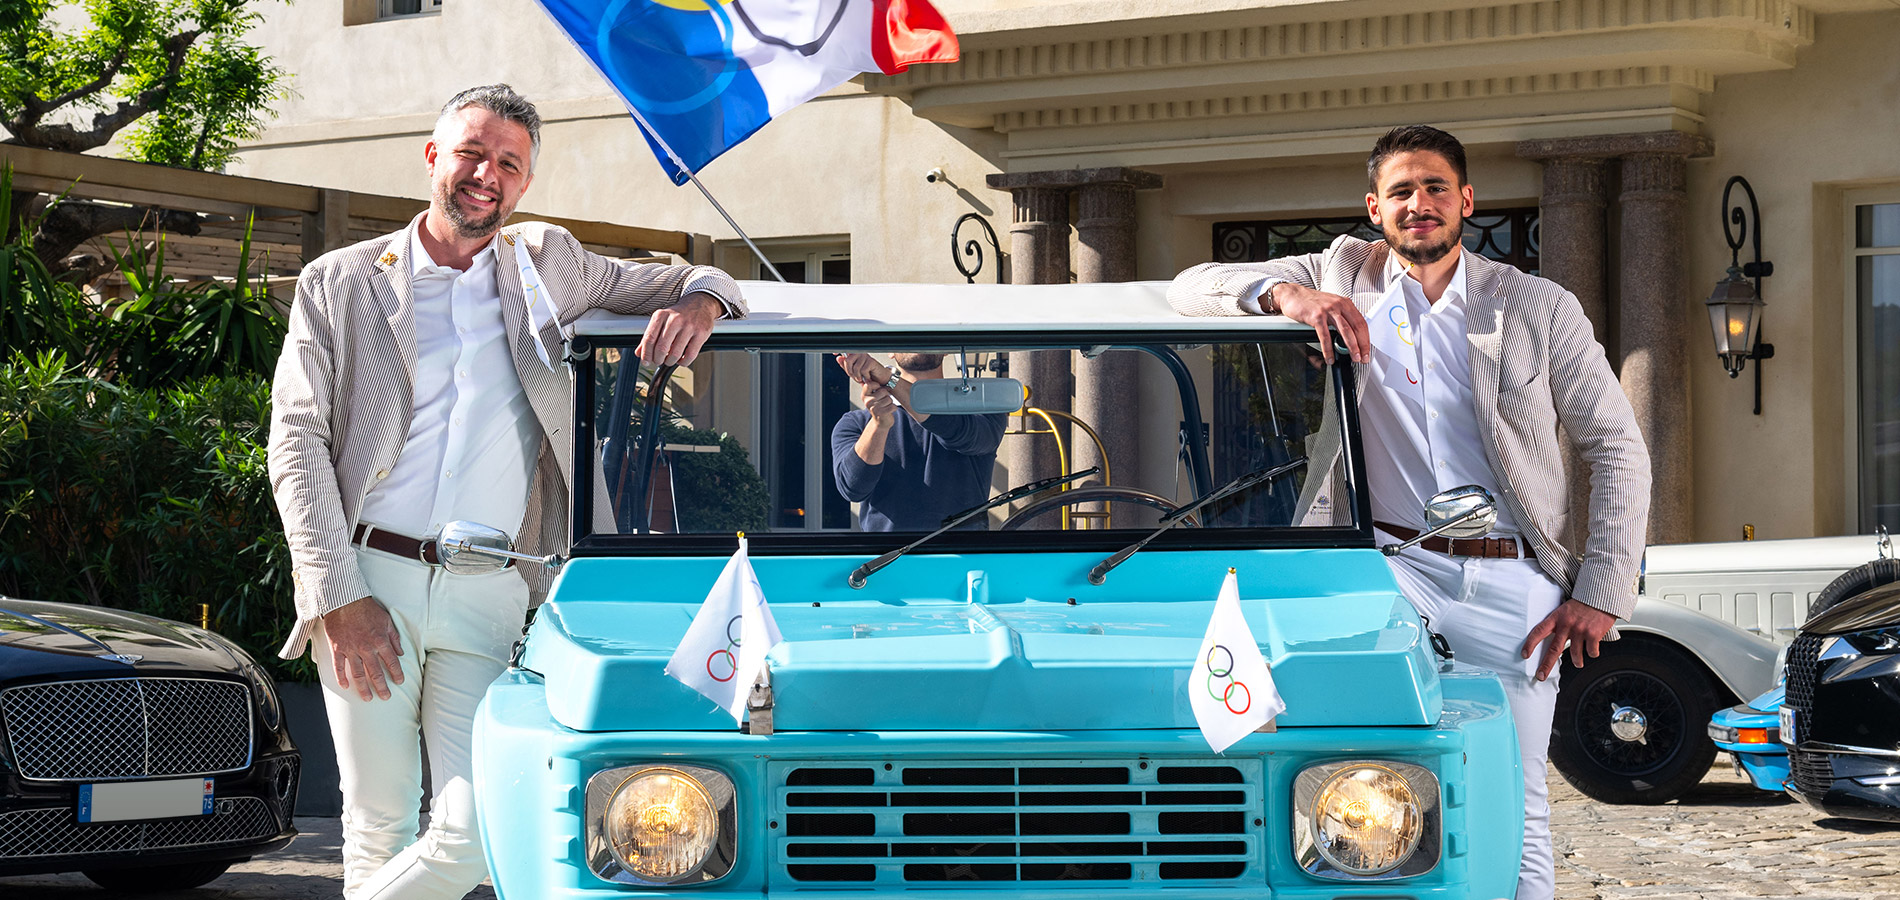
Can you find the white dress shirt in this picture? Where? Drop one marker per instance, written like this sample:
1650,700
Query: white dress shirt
470,450
1413,451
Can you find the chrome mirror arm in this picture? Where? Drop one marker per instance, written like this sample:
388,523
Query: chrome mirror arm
1447,525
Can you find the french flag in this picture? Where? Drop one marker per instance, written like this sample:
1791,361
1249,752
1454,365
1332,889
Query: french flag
706,74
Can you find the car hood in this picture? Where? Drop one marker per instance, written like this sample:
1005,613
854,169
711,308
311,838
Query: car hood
1000,643
83,641
1873,608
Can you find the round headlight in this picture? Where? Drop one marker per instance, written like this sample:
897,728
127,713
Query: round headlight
662,825
1367,820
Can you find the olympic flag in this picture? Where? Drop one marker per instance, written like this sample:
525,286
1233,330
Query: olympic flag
706,74
724,649
1394,336
1230,687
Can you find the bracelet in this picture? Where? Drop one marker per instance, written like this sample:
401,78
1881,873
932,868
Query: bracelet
1270,307
896,376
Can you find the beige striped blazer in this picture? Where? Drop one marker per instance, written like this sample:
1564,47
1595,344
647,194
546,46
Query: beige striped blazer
1535,367
342,398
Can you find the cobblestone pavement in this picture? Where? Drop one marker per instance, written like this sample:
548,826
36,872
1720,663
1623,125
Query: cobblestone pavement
1724,840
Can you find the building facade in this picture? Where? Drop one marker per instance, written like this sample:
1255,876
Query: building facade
1108,141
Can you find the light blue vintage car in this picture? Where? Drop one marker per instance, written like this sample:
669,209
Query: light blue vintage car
1004,707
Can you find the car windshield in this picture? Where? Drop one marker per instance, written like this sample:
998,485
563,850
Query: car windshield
778,442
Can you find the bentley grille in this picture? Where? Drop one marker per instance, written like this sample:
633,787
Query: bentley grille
1803,670
1106,821
56,832
110,728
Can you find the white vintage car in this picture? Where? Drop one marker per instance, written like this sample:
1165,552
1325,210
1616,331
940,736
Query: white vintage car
1710,620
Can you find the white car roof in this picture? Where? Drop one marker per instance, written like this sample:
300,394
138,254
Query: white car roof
1126,306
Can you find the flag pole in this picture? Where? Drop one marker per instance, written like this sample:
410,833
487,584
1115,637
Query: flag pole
681,165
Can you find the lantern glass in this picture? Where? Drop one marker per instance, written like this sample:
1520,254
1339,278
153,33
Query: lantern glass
1734,310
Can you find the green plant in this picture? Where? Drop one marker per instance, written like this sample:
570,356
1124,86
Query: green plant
37,311
715,491
164,334
148,499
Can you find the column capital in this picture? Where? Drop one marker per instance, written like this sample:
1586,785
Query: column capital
1064,179
1610,146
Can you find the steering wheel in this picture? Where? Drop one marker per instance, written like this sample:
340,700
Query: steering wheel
1096,494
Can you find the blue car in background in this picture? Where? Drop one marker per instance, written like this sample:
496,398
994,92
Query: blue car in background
1000,709
1751,732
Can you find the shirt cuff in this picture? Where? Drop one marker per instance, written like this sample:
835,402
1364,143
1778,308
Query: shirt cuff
1250,299
710,285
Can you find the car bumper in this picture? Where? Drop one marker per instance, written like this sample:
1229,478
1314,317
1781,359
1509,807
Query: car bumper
532,776
40,831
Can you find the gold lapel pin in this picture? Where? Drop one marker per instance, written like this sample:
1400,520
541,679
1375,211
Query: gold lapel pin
509,238
388,259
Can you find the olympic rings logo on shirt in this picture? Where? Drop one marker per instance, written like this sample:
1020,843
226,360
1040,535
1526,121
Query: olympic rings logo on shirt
1226,694
732,662
1404,328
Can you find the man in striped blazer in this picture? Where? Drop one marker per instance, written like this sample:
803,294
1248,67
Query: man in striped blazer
422,382
1467,369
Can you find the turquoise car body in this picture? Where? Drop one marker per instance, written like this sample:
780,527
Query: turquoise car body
1765,760
971,661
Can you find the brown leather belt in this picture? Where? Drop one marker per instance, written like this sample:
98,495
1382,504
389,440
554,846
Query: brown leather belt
1487,548
401,545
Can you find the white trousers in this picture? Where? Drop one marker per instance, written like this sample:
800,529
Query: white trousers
1485,608
456,632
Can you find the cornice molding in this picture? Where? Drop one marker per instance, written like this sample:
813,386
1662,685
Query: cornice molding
1777,21
1356,97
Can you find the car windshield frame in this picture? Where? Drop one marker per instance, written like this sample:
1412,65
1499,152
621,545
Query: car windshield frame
585,542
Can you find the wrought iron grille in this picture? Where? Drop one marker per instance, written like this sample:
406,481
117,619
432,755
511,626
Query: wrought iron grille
1094,821
111,728
57,831
1506,235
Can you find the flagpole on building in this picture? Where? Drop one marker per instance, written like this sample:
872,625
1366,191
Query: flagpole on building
681,165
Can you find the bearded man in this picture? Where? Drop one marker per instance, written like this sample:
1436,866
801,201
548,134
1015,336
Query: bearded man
1486,365
422,383
909,470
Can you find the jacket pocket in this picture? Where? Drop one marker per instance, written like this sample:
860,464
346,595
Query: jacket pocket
1528,443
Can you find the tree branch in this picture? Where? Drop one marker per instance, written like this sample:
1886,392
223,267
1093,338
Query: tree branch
107,124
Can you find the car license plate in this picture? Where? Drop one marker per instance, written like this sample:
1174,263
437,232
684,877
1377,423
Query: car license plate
1787,725
119,801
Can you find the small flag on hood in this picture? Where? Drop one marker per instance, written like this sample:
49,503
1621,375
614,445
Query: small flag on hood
724,649
1395,338
1230,687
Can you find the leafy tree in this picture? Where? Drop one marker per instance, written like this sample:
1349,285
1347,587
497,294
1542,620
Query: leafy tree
175,76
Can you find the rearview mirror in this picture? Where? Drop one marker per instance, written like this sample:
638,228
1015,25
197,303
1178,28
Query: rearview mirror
966,397
471,548
1463,512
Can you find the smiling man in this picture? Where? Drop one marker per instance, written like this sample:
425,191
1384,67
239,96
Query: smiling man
1466,372
422,383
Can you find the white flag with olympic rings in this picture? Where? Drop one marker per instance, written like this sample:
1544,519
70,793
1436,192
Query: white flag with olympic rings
1230,688
724,649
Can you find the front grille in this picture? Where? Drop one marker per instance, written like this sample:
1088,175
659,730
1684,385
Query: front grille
1812,773
1110,821
108,728
58,832
1803,671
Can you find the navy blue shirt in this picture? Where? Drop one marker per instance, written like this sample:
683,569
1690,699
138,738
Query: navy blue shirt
930,469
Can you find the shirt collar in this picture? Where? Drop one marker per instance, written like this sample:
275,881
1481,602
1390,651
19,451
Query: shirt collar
421,264
1457,290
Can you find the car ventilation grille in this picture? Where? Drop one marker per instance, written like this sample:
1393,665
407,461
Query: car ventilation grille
109,728
56,832
1803,670
1812,773
1118,821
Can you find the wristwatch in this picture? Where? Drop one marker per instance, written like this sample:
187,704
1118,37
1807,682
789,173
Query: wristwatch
1266,294
897,375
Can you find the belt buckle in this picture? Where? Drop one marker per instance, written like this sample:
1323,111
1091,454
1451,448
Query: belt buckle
422,553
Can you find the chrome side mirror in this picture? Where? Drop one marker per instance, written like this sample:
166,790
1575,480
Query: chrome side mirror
1461,512
471,548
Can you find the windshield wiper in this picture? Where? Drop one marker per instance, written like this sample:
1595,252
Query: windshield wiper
1099,574
863,572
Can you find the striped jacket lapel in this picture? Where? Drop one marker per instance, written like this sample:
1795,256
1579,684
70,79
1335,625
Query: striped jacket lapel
549,392
396,296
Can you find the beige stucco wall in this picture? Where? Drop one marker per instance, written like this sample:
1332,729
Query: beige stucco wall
1801,138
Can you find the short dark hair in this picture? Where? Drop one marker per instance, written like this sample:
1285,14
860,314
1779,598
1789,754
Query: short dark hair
1411,138
501,100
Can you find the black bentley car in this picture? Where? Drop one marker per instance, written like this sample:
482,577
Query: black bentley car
148,754
1841,719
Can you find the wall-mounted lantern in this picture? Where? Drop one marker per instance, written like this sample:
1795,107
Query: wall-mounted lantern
1735,305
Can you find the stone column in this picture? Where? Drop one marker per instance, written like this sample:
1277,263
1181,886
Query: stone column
1654,294
1039,254
1573,224
1107,389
